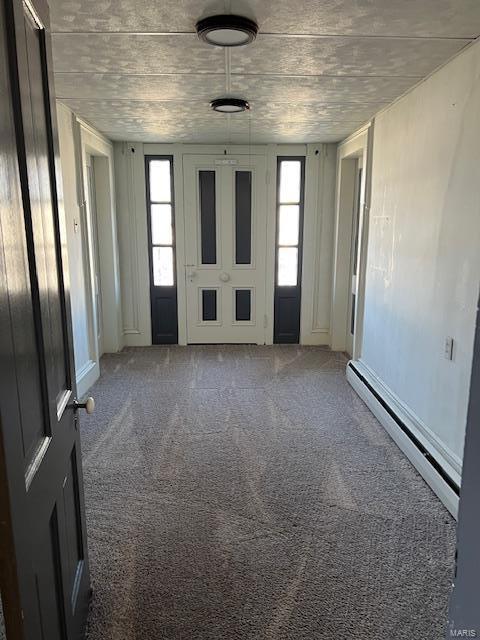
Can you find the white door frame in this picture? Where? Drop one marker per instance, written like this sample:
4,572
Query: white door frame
360,145
92,145
91,202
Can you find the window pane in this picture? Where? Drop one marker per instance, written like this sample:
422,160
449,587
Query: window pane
243,217
161,224
287,267
290,179
289,216
209,305
162,266
160,183
208,217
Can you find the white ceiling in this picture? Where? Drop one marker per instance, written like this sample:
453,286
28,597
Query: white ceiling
318,69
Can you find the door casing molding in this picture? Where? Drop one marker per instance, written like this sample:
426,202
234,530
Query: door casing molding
360,145
89,147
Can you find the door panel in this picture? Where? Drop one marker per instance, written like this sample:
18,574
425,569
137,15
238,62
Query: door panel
207,181
243,217
243,305
48,581
225,211
46,589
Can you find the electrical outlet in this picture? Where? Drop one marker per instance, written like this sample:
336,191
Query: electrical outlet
448,348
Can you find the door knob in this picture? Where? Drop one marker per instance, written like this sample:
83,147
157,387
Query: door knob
191,274
88,404
224,277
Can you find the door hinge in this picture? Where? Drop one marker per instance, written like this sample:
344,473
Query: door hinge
265,321
267,177
354,284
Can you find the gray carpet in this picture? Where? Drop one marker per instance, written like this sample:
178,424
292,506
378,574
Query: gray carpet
2,623
247,493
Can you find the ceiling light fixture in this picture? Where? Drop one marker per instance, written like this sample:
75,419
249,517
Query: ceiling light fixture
229,105
227,30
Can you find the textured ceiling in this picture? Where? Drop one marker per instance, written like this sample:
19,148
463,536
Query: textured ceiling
318,69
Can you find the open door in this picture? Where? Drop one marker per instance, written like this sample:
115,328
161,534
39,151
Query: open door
464,612
44,578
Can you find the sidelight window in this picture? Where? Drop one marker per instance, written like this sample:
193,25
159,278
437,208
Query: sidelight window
160,204
288,222
290,198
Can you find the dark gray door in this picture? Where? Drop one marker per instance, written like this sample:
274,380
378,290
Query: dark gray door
44,568
464,615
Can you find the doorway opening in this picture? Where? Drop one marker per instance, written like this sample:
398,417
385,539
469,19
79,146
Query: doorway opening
92,246
350,242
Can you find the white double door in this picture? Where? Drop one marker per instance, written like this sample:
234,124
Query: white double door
225,241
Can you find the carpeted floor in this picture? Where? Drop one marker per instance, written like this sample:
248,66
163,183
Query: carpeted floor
246,492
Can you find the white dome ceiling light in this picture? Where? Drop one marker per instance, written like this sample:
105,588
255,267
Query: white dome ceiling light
227,30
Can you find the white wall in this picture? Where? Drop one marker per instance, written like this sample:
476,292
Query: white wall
133,239
423,261
76,139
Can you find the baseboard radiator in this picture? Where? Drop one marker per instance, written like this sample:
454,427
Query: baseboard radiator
433,472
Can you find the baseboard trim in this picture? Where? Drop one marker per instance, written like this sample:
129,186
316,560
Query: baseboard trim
315,337
139,339
443,482
87,376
